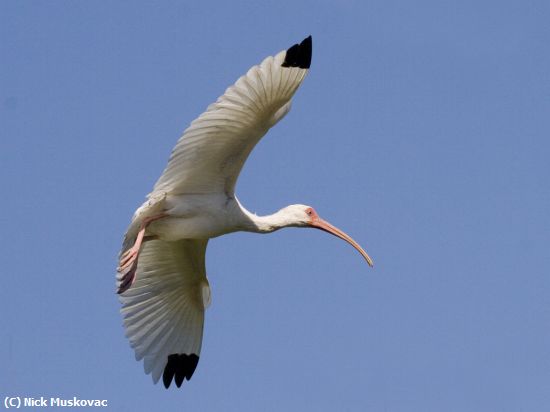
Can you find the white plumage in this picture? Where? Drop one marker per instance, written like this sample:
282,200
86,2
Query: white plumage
164,309
210,155
161,276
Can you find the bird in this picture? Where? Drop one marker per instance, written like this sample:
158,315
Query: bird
161,275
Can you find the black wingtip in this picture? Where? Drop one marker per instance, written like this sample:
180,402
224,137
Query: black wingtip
299,55
179,367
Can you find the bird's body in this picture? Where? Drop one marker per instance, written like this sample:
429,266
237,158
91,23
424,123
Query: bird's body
198,216
162,275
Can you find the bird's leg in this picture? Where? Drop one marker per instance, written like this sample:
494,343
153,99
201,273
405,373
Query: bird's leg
127,265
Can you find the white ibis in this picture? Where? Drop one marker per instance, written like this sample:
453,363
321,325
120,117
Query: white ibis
161,275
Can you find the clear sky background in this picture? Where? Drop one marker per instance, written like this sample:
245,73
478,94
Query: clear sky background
422,130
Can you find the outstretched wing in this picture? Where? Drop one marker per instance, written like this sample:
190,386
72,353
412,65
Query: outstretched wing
163,310
210,154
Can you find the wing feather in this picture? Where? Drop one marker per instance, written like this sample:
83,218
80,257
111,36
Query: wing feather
164,310
209,156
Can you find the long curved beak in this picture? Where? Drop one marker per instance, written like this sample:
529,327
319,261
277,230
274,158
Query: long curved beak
327,227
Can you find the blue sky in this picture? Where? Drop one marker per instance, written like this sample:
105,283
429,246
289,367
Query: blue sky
422,130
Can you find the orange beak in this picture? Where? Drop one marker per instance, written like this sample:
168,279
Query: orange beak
319,223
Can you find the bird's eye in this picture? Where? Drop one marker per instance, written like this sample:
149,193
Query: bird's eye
309,212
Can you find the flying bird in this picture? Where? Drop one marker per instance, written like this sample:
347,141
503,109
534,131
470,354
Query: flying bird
161,276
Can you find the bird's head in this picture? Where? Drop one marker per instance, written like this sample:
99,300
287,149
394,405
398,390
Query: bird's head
306,216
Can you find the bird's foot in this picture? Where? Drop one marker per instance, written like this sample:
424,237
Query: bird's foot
127,275
127,259
127,265
127,269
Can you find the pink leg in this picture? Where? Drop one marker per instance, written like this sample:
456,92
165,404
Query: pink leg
128,261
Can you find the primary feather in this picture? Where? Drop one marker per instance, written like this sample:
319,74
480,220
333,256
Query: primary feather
210,154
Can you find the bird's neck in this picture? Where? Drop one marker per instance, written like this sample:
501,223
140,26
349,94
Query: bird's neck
264,224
